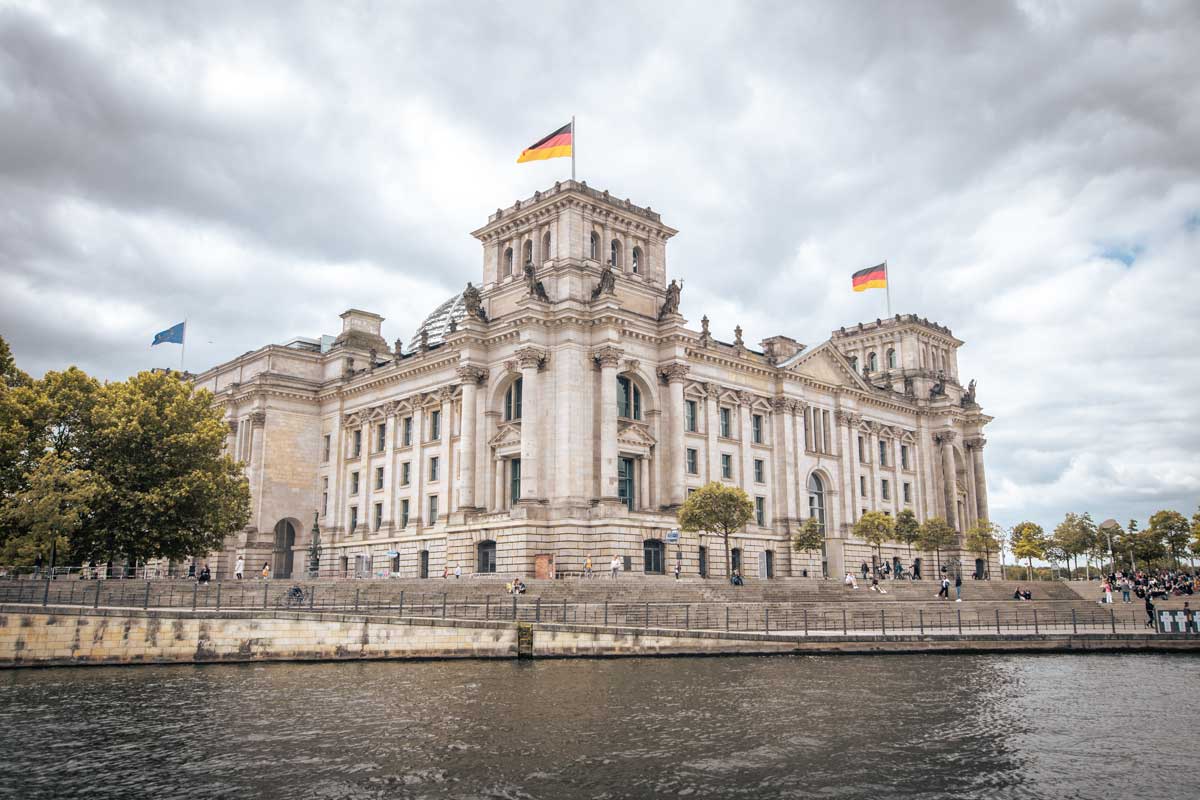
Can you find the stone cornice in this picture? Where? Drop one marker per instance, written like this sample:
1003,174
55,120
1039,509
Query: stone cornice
607,356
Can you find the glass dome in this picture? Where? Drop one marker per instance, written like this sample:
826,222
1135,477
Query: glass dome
437,324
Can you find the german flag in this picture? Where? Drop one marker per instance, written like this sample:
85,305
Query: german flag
556,145
870,278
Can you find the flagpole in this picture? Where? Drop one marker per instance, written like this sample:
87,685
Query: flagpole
887,284
574,141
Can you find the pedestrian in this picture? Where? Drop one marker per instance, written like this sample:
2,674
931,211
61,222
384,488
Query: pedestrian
192,570
205,574
1108,593
445,572
1189,619
614,565
958,587
1149,610
944,592
864,570
37,565
266,570
457,571
239,567
678,566
1124,590
587,566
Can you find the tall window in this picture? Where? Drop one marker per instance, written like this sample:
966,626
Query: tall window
816,500
435,425
433,468
408,431
726,426
433,509
756,423
514,480
653,561
854,363
726,466
625,484
508,261
629,399
862,450
759,471
378,521
594,247
356,448
636,261
891,358
353,483
862,485
379,477
405,473
380,436
872,362
904,456
404,513
325,448
528,251
736,559
546,246
512,400
885,489
689,415
760,511
883,451
907,492
324,496
693,466
353,518
614,253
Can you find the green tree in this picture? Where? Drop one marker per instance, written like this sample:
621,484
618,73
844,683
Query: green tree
875,528
718,509
908,530
984,537
50,511
1172,529
1054,553
1195,544
1029,542
10,376
1076,536
809,538
936,535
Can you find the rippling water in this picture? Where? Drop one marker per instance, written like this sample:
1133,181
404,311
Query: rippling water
875,727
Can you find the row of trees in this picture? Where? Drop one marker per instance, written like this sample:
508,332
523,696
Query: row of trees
100,471
1169,540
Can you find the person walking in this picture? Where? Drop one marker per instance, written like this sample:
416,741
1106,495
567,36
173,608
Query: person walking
944,592
1108,593
266,570
239,567
614,565
1124,590
457,571
1149,610
678,567
864,570
1189,619
957,587
587,566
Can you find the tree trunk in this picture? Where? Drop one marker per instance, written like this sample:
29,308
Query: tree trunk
728,566
1031,568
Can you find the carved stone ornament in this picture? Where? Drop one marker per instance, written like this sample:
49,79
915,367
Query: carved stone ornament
528,357
536,289
474,303
607,356
469,374
257,418
632,364
945,437
670,306
233,427
673,372
847,418
712,390
607,283
445,394
737,337
398,346
781,404
424,347
705,334
798,406
975,443
745,398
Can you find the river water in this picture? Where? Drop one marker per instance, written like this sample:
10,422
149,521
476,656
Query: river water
874,727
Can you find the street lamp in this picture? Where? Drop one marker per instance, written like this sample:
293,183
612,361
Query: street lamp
1107,526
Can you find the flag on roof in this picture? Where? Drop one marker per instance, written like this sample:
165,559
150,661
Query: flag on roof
870,278
172,335
557,145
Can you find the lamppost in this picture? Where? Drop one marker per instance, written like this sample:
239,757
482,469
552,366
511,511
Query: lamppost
1107,526
314,550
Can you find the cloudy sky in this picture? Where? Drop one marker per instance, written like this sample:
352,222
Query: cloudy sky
1030,171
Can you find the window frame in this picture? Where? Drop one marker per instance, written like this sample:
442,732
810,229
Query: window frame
726,467
691,461
690,416
760,470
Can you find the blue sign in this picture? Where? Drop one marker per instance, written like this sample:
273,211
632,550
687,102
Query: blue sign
673,536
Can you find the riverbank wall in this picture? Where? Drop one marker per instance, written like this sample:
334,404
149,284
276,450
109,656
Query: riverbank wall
32,636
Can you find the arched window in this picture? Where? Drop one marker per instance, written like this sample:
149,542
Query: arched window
595,247
529,251
816,500
284,555
636,260
872,362
508,261
614,252
891,358
854,363
512,401
629,399
546,246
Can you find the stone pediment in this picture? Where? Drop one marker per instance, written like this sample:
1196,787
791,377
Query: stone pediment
825,364
636,434
509,434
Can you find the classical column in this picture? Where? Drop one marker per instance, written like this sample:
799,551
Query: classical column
608,357
416,504
784,457
747,482
445,472
643,487
945,440
258,424
711,428
498,497
530,360
981,503
485,477
674,375
470,377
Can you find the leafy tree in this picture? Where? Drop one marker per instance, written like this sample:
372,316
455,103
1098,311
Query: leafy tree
937,535
875,528
1076,536
1172,529
809,538
719,509
1029,542
1056,555
908,530
50,511
1195,545
10,376
984,537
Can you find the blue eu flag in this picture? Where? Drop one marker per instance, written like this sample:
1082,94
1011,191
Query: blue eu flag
172,335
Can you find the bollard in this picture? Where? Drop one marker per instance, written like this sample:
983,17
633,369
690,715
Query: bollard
883,621
265,586
564,611
727,619
806,622
356,598
46,593
606,613
921,620
218,596
514,607
96,601
194,588
401,613
997,621
443,605
1074,622
959,610
312,596
1113,619
487,607
687,617
1036,630
537,610
146,599
845,631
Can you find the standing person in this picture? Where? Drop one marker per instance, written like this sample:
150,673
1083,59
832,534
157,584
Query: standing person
944,592
1124,589
678,566
205,574
864,570
587,566
37,565
457,571
192,570
1189,619
957,587
1149,610
615,565
1108,592
239,567
266,570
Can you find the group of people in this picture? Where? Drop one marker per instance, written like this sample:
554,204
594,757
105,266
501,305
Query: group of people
897,572
515,586
1162,584
1022,594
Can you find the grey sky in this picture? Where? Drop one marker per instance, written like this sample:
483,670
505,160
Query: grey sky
1031,171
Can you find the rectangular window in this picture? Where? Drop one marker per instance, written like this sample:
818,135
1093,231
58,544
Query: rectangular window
378,521
693,465
325,448
356,449
433,509
691,490
324,496
403,513
760,510
883,448
353,518
862,450
725,424
689,415
726,466
435,426
407,432
884,490
514,480
379,477
758,471
908,492
904,456
405,473
353,483
756,423
433,468
862,485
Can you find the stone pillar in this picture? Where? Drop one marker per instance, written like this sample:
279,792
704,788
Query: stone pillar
784,458
445,472
674,375
258,425
417,507
498,497
747,471
530,360
711,428
643,487
945,441
981,502
468,425
608,358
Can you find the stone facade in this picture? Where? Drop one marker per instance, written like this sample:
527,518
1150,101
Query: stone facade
564,408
